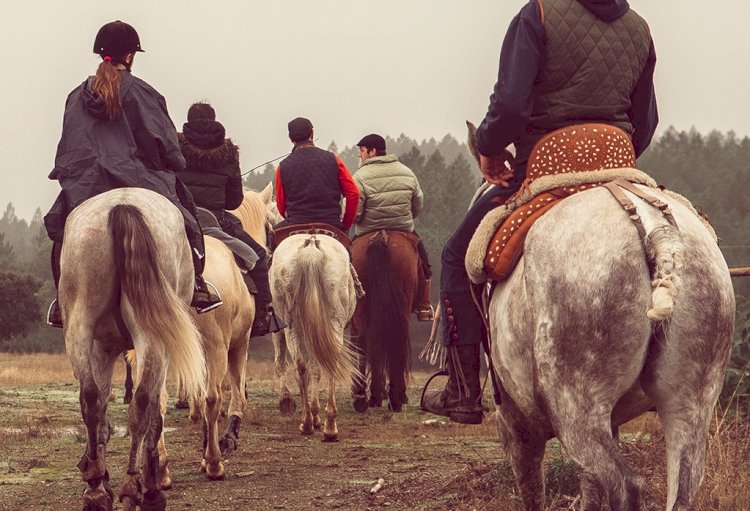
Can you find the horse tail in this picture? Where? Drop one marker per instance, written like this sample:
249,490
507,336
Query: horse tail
386,312
665,251
312,315
163,318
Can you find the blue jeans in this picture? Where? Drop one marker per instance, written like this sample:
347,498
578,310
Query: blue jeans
461,320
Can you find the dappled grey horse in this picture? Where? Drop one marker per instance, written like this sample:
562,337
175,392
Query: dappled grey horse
127,279
590,330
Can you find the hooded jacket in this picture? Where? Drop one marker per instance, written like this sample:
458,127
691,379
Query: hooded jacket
212,165
389,195
96,154
545,82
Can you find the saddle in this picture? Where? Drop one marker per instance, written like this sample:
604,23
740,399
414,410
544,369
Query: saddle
580,150
282,233
369,236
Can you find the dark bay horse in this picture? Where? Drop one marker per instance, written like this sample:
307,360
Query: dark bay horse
387,263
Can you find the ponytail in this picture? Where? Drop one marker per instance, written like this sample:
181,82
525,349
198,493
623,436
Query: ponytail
107,86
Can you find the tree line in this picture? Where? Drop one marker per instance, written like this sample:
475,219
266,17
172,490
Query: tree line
712,170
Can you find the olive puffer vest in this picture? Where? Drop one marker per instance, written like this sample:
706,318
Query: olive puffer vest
590,67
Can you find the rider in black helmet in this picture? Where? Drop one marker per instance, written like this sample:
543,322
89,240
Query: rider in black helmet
117,133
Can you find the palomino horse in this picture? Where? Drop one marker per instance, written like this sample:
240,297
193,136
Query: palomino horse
387,264
127,274
584,338
313,291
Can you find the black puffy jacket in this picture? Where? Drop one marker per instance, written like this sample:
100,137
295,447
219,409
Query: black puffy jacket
212,165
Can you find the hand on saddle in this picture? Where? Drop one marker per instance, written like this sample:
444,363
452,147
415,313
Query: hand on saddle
497,169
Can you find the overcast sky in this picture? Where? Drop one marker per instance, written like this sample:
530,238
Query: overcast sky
418,67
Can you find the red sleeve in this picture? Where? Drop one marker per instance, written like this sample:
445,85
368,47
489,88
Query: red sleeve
350,192
280,200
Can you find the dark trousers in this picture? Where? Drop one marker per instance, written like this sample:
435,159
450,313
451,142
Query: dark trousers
231,225
462,321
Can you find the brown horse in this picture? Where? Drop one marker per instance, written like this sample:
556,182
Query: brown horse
387,263
126,281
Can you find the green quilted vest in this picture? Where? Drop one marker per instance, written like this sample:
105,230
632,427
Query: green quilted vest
589,69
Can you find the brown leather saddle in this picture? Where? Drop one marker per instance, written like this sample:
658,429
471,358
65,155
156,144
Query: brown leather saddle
282,233
574,149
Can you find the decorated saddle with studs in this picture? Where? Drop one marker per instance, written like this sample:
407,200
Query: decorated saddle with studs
562,163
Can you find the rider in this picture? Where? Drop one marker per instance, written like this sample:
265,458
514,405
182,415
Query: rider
117,133
212,173
563,62
389,198
311,181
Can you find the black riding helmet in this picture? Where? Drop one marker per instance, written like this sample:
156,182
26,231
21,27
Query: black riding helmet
116,39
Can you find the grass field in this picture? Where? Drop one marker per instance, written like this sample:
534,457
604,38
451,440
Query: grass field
426,464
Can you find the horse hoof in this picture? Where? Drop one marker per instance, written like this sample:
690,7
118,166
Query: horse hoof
154,500
127,398
395,407
216,475
166,483
228,444
181,404
328,437
203,465
360,404
305,430
287,406
375,403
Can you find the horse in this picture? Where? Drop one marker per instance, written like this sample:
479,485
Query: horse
314,292
126,281
584,337
387,263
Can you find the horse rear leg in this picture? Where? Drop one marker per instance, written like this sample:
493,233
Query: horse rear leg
303,380
142,486
685,398
92,366
359,384
606,475
287,405
330,431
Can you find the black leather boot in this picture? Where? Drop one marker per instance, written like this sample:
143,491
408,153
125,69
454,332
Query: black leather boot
266,321
461,400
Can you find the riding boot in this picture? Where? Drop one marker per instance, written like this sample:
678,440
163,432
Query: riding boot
265,321
54,314
424,309
203,299
461,400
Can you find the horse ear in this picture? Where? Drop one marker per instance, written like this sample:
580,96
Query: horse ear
267,193
472,140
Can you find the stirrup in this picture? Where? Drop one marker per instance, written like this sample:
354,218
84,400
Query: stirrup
212,305
426,314
57,321
442,372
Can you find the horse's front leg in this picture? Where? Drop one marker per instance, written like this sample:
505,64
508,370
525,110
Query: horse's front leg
238,401
287,405
330,431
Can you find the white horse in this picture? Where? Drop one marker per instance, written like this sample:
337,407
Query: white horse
585,336
126,260
313,291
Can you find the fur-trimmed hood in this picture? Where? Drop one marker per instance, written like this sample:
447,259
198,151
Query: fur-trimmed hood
196,156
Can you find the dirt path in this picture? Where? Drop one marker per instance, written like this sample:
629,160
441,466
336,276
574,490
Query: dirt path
438,466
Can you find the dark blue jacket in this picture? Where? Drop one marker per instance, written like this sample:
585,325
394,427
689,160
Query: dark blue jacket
521,58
